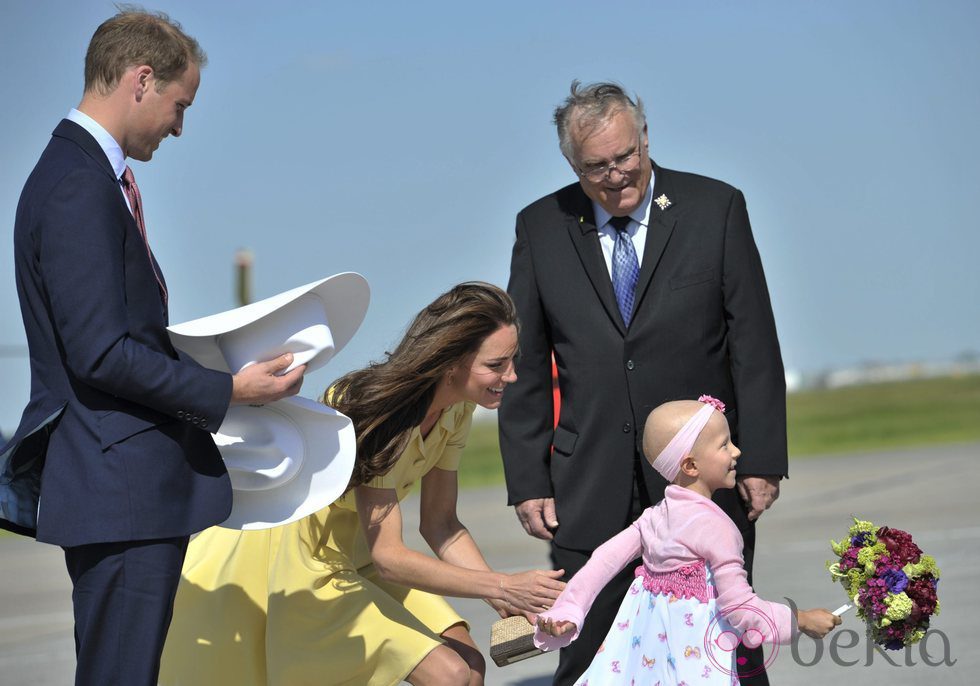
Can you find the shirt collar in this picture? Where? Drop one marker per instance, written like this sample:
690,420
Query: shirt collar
641,214
117,159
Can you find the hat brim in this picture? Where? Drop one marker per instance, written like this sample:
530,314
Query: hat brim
330,449
344,296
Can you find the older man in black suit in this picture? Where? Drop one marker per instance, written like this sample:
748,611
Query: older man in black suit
646,285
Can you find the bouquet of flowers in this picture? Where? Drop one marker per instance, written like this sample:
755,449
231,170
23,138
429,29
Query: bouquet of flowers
890,580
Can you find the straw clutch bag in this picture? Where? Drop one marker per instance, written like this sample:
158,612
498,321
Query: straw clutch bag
512,640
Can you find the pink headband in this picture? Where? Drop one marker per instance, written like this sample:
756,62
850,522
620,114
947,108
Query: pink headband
668,462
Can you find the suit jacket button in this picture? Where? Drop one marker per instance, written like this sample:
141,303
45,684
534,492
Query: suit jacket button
627,427
630,365
180,414
204,423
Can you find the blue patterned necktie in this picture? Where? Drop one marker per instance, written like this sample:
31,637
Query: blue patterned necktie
625,268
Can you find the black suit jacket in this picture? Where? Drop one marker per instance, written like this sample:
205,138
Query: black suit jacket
702,323
115,416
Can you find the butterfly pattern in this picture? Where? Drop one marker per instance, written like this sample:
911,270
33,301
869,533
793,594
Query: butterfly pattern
657,637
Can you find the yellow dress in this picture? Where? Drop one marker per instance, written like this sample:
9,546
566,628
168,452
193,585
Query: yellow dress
302,603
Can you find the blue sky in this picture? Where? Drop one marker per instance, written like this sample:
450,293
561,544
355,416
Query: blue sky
399,140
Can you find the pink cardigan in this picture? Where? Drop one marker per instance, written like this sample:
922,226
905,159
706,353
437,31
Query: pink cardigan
676,537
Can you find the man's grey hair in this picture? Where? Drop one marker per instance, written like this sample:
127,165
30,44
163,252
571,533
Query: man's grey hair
589,106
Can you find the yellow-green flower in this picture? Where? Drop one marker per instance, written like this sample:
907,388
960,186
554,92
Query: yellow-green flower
899,606
861,526
925,565
914,637
855,580
868,555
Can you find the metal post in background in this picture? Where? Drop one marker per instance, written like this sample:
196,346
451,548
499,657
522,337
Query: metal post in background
243,276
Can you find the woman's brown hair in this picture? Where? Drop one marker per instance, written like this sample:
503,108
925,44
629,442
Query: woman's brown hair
387,400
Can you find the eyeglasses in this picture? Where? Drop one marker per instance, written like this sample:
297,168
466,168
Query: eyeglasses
624,164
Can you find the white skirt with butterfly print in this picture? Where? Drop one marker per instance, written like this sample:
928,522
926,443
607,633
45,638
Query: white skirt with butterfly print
661,640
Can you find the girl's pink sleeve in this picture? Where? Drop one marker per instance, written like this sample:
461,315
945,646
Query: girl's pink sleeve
574,602
759,621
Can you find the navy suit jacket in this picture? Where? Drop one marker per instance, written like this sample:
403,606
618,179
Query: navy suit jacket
114,441
702,323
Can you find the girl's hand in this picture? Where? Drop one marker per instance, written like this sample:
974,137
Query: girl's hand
816,623
534,591
555,628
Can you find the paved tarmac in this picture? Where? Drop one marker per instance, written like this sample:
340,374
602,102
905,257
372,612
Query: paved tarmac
929,492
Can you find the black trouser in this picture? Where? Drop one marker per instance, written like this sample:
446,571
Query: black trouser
123,597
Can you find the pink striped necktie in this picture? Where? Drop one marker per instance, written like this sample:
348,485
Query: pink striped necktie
136,206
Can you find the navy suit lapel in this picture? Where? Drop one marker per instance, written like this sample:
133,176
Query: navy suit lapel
71,131
585,237
662,220
83,139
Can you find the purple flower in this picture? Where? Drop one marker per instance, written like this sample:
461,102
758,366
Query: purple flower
860,540
895,580
894,644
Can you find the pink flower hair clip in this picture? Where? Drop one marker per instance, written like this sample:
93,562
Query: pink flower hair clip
714,402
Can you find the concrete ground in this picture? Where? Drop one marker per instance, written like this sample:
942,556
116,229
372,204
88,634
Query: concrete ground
926,491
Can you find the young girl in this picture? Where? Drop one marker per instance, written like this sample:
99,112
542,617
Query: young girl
690,604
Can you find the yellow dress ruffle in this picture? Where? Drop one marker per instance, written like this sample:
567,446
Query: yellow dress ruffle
302,603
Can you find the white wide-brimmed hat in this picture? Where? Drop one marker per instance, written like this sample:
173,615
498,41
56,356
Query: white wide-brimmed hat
286,460
313,322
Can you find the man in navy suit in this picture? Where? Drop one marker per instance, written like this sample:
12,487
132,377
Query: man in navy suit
112,460
647,286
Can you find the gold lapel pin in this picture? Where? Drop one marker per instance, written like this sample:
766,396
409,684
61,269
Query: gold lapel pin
663,202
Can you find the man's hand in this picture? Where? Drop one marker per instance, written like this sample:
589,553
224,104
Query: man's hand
538,517
758,492
258,384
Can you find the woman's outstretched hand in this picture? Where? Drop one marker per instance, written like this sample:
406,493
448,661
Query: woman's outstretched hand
533,591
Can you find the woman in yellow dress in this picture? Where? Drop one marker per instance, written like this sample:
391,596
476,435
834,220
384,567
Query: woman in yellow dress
338,598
